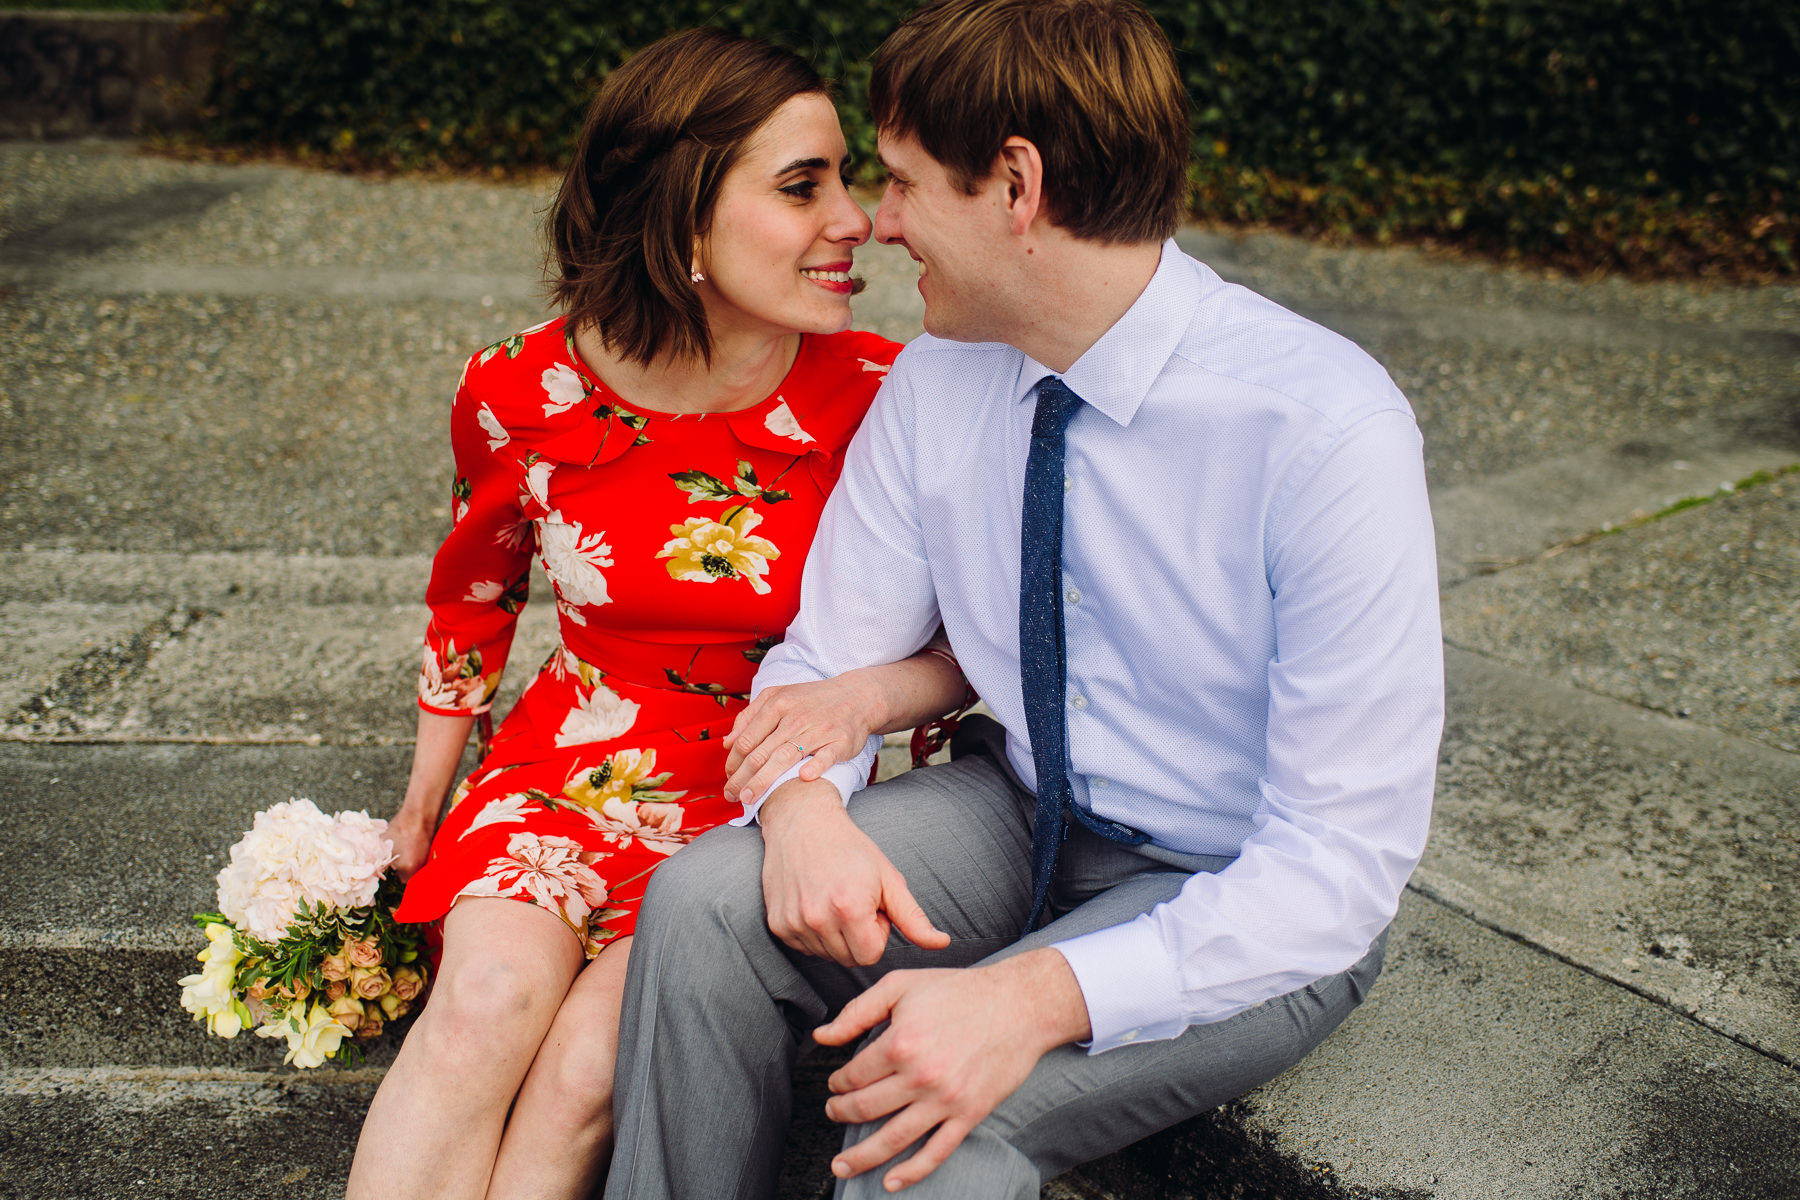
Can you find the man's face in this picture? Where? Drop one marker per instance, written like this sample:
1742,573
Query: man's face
958,240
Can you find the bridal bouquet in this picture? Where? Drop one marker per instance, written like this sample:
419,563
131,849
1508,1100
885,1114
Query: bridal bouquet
304,945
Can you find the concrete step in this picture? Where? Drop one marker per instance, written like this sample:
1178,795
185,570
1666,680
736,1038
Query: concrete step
1520,1043
1652,852
1667,861
1478,1069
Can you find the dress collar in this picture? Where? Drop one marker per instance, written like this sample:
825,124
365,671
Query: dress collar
797,419
1116,372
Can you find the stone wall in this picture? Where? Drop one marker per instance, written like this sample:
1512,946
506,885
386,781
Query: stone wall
67,74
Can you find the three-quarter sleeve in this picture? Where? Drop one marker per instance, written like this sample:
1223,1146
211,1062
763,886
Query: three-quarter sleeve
481,574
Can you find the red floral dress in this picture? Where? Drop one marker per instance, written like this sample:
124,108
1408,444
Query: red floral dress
674,544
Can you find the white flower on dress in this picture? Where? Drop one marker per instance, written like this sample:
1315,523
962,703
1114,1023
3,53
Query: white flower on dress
452,682
506,811
879,368
599,716
552,872
485,592
515,536
781,423
462,510
573,560
563,387
537,481
571,612
656,825
497,435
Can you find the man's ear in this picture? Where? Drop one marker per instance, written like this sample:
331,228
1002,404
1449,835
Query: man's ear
1022,170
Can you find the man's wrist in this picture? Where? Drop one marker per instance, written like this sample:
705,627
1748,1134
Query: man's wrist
1051,994
798,799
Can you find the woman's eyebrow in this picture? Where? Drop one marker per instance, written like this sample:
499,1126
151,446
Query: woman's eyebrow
804,164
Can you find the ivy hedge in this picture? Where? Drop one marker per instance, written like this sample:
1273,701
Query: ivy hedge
1649,135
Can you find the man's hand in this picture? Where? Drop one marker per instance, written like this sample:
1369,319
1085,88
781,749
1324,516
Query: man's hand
958,1042
829,890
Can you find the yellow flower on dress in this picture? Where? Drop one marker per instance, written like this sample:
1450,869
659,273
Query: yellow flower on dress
703,550
615,779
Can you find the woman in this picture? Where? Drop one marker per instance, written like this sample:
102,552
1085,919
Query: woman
665,446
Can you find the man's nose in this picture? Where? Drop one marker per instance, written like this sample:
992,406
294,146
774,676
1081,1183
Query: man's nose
887,224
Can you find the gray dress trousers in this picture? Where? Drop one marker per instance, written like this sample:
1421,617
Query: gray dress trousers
717,1010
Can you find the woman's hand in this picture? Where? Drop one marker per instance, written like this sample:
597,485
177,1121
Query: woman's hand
435,756
410,831
831,720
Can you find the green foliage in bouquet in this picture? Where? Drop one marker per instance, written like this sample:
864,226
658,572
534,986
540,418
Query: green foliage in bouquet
305,946
360,966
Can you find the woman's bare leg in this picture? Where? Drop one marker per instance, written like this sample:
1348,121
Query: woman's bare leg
561,1133
435,1125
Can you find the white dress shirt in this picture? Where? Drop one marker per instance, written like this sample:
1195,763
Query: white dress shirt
1250,600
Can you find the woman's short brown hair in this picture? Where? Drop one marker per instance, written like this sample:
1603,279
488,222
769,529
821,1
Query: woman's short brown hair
660,137
1091,83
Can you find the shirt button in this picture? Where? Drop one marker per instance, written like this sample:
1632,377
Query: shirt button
1130,1035
1078,700
1068,484
1074,595
1100,783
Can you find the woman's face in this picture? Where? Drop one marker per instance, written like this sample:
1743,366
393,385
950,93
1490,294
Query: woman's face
784,229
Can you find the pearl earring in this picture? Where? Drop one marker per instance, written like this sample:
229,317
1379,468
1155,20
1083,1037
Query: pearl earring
697,275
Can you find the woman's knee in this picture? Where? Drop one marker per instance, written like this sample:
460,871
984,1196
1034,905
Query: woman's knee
491,1005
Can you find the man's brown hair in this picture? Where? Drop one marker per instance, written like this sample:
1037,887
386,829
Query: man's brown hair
1091,83
660,137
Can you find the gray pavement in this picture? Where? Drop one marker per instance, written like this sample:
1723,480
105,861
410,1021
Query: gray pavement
222,472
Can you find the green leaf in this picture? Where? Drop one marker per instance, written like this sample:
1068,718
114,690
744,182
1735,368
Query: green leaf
701,486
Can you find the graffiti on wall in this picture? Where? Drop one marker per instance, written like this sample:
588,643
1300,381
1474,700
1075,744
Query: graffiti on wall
63,72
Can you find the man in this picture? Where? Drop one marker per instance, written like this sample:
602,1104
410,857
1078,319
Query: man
1179,540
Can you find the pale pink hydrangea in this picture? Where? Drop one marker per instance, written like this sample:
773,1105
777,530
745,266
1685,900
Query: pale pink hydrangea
294,854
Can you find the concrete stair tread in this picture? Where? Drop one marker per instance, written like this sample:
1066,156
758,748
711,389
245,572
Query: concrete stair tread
1476,1069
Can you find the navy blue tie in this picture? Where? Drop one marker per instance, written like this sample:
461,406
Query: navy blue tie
1043,661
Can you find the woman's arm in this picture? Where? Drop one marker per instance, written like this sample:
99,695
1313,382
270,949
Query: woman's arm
832,719
435,758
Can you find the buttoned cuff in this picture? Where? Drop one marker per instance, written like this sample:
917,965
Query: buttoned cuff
1131,988
848,777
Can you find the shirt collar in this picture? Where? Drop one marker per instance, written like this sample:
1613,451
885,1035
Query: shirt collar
1115,374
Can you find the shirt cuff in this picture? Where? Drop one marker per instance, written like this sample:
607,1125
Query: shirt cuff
849,778
1132,991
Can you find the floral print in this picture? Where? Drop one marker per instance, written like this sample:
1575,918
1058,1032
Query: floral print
564,389
613,757
553,872
598,716
781,422
572,560
704,551
454,681
497,435
508,810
